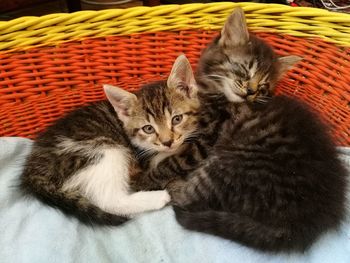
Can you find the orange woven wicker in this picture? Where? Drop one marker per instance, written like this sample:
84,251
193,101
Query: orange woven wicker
43,83
39,84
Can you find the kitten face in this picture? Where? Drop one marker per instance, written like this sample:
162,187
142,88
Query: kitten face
160,116
247,72
162,119
240,65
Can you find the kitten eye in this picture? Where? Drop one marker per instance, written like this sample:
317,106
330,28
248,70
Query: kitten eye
182,85
148,129
264,89
176,119
264,92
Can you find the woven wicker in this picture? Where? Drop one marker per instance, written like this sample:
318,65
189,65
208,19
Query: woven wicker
52,64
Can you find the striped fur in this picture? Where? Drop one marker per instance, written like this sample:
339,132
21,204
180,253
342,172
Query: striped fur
85,163
232,63
211,116
272,182
240,65
271,178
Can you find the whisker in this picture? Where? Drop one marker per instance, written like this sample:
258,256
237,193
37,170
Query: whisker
190,140
238,89
144,154
217,76
191,137
262,100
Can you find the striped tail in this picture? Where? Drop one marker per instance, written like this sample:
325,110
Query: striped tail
249,232
71,204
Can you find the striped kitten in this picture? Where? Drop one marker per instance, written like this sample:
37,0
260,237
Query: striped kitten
235,67
159,172
273,180
242,66
82,164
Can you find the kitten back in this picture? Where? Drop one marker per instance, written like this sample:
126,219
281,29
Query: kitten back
65,148
273,182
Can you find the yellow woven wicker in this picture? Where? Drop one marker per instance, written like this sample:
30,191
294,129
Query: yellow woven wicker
53,63
306,22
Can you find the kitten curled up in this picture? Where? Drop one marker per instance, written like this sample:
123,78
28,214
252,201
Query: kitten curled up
272,180
85,162
262,171
235,67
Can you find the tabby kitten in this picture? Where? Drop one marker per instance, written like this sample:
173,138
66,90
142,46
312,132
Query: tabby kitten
235,67
82,164
242,66
273,180
158,172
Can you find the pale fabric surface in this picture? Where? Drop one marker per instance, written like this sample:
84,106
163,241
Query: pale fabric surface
32,232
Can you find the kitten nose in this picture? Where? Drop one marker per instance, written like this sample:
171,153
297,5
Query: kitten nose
168,143
250,91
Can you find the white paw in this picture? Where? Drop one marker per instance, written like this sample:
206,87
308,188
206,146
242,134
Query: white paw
163,199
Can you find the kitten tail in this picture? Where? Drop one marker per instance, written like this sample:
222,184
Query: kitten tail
247,231
71,204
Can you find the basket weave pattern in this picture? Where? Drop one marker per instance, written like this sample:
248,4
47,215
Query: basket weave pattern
40,83
305,22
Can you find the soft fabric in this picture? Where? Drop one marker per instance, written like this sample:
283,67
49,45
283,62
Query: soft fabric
32,232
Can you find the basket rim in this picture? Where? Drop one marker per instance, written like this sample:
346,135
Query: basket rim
55,28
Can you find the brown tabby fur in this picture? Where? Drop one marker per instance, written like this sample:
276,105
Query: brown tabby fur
272,179
226,62
74,142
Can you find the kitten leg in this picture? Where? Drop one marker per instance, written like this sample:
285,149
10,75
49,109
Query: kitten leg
178,190
106,185
142,182
173,167
196,188
140,202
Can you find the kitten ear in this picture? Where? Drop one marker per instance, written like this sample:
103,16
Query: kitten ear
182,78
235,31
286,63
121,100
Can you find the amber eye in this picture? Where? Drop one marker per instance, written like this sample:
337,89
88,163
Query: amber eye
176,119
148,129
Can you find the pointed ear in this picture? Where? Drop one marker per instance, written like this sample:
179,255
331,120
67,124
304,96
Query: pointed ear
121,100
235,31
182,77
287,63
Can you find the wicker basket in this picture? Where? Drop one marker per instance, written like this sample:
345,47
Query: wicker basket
51,64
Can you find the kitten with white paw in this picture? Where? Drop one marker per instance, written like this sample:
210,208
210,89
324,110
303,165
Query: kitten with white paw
85,162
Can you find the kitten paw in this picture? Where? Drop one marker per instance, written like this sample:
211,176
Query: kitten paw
163,199
176,190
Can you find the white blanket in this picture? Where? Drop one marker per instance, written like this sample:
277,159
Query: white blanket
32,232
